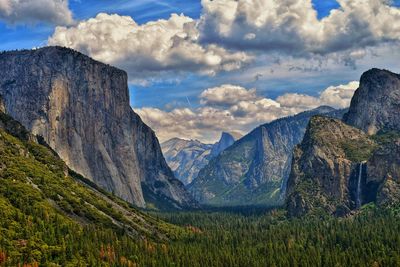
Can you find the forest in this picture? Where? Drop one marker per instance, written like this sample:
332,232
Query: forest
50,216
210,238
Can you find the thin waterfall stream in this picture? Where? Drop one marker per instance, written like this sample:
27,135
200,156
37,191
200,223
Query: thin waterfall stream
359,189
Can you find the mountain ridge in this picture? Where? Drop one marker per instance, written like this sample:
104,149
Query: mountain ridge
187,157
342,165
251,170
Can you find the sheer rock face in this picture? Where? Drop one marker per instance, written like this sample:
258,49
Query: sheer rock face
81,109
226,140
383,175
376,103
252,170
338,167
323,173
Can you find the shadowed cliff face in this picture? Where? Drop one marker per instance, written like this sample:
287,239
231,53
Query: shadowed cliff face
325,167
226,140
376,103
382,183
81,109
338,167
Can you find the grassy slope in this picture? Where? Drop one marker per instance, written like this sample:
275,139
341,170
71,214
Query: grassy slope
47,215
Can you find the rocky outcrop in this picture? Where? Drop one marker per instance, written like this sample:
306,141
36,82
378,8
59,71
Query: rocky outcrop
252,170
376,103
81,109
226,140
187,157
338,168
325,169
382,183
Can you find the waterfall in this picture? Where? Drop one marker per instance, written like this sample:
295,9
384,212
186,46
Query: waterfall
359,189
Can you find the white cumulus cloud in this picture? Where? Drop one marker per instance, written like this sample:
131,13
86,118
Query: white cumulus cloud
35,11
334,96
231,34
292,26
227,94
235,108
148,49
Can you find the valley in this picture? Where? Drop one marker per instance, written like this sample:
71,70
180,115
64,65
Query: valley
319,188
200,133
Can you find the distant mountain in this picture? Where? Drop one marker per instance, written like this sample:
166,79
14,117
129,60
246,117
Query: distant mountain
81,108
187,157
226,140
339,167
252,170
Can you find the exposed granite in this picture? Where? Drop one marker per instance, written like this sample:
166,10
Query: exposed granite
81,109
186,157
324,173
375,105
338,168
225,141
254,169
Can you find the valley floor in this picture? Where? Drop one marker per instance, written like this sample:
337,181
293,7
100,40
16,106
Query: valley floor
235,237
267,238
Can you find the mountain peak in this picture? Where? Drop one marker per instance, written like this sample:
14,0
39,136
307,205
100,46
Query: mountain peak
375,104
376,72
58,52
226,140
341,165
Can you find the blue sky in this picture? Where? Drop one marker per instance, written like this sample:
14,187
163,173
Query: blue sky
295,73
28,36
17,37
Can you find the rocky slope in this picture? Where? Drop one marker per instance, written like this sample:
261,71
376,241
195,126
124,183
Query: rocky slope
325,169
252,170
36,183
338,168
81,109
187,157
382,173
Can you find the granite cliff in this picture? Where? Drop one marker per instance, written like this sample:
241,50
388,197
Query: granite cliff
340,166
325,168
225,141
254,169
376,104
81,109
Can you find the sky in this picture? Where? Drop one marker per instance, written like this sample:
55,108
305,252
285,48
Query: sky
197,68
